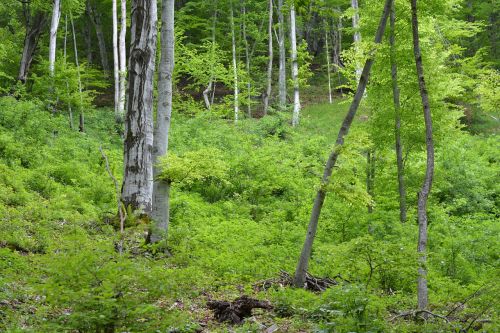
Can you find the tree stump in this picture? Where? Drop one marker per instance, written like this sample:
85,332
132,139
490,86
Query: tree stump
237,310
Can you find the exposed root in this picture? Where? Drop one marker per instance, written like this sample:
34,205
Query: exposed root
312,283
234,312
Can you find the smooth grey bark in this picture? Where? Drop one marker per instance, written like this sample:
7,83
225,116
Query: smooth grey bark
54,24
81,125
116,61
95,18
422,291
295,68
161,189
70,110
357,34
235,68
370,177
122,58
303,264
282,56
137,188
397,118
247,59
269,59
210,86
34,29
327,51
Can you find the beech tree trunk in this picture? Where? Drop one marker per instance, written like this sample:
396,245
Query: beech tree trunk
268,92
161,189
209,88
137,188
303,264
295,68
95,18
116,62
33,32
282,56
327,51
123,58
397,116
423,196
70,110
357,34
54,24
247,60
235,68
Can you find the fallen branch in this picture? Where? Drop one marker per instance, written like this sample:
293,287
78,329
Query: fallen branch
312,282
237,310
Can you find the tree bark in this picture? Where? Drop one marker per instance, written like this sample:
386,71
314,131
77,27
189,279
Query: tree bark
137,188
33,32
327,51
282,56
397,115
247,60
295,68
423,196
161,189
56,15
235,68
370,177
123,57
357,34
302,266
77,63
70,110
269,59
87,34
95,18
116,62
209,88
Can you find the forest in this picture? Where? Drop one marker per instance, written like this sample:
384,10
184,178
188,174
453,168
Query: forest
249,166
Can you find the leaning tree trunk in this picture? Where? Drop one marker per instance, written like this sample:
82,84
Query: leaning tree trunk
235,67
137,188
33,33
302,266
54,24
397,115
269,59
295,69
161,189
422,292
95,18
116,64
123,57
357,34
282,56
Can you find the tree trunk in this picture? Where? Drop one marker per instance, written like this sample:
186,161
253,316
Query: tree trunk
54,24
247,60
303,264
70,110
235,68
327,51
161,189
87,34
422,291
295,68
370,177
270,59
282,56
209,88
116,64
95,18
137,188
123,58
397,126
75,50
33,32
357,34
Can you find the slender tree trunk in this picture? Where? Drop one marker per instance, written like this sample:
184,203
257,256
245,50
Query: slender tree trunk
77,63
247,60
357,34
95,18
209,88
87,34
33,32
295,68
161,189
54,24
137,188
123,58
370,177
235,68
397,114
327,50
269,59
423,196
116,62
70,110
282,56
303,264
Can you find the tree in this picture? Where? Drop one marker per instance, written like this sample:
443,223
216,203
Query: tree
423,195
235,65
116,62
34,27
267,94
303,264
95,18
295,68
282,56
54,24
357,33
123,57
161,189
137,185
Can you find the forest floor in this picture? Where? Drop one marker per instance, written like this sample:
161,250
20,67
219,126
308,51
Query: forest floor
237,221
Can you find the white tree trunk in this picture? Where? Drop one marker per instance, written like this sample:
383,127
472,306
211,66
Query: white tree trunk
235,68
161,189
295,69
116,65
123,57
282,56
54,24
209,88
357,34
328,70
270,59
137,188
